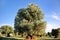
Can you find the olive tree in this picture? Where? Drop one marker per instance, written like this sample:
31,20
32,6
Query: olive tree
30,20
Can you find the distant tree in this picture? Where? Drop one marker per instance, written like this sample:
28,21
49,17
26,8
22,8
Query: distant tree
30,20
6,29
58,32
49,34
54,32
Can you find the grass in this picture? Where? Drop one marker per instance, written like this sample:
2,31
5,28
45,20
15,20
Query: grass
10,38
14,38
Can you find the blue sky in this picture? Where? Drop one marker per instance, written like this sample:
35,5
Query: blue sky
50,8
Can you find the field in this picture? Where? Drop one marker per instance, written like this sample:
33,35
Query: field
10,38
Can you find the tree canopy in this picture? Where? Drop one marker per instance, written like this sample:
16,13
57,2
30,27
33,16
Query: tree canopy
6,28
30,20
55,32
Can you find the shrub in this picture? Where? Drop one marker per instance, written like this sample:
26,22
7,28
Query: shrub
0,35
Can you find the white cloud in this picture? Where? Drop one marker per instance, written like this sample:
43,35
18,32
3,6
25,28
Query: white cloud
51,26
55,17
